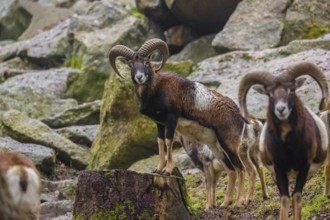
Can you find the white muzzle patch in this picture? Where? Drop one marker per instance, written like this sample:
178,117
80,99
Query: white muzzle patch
140,77
282,110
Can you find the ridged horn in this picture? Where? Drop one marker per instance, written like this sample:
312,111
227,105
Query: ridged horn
119,50
307,68
256,77
154,44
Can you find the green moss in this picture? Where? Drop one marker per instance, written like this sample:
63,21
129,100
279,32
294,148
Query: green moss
136,13
314,31
246,56
184,68
314,199
228,58
121,211
75,62
195,196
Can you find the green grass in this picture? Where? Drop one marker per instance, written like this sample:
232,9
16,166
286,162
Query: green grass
314,200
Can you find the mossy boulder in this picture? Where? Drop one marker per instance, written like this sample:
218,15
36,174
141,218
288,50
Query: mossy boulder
27,130
14,19
306,19
124,135
83,114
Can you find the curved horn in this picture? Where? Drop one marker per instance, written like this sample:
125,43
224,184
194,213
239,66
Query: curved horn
153,44
256,77
119,50
307,68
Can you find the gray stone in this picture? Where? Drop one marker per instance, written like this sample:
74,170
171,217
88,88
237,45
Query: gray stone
50,210
83,135
179,36
48,48
306,19
25,129
254,25
14,19
83,114
148,165
196,50
37,93
43,157
43,17
58,190
12,67
98,15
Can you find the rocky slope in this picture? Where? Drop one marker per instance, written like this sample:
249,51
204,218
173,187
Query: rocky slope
62,106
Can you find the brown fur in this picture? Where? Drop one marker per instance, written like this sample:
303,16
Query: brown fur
8,160
300,126
170,100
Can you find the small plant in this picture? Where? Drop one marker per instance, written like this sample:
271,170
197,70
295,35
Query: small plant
75,62
136,13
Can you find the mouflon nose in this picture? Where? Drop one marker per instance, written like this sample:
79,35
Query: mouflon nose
280,109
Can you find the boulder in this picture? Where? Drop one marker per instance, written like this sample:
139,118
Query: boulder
43,157
43,17
207,16
180,157
254,25
158,12
51,210
197,50
24,129
179,36
47,49
82,135
98,15
128,195
14,19
229,68
37,93
306,19
13,67
83,114
58,190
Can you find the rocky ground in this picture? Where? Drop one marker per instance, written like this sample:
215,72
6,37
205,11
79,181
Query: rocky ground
315,205
61,106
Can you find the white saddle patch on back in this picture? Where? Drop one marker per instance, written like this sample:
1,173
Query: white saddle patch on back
203,97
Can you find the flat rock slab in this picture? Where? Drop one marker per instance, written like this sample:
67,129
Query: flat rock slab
25,129
121,194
